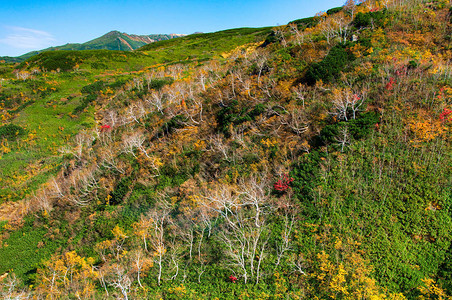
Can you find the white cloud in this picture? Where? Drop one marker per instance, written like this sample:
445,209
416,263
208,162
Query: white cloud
26,38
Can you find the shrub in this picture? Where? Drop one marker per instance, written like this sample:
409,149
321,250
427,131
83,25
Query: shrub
358,128
94,87
283,184
158,84
55,60
175,123
330,67
334,10
234,115
11,132
99,66
171,176
141,196
445,271
305,173
376,18
270,39
306,22
120,191
84,104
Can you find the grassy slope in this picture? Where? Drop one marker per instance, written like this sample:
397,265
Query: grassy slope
372,219
47,115
203,46
49,125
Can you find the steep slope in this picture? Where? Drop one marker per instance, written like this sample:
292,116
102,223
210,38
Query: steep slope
309,161
30,108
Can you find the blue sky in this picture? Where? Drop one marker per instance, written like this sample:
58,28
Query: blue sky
37,24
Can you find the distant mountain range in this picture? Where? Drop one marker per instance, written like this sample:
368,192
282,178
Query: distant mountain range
114,40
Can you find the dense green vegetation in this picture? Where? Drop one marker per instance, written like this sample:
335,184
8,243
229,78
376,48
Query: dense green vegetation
271,163
11,131
203,45
331,66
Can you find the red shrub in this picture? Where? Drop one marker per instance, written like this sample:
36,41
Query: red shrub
105,127
444,116
283,184
390,84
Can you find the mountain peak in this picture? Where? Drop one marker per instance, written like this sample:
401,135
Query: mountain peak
113,40
113,32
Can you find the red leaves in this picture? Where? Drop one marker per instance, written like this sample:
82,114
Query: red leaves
105,127
401,71
283,184
390,85
444,116
232,278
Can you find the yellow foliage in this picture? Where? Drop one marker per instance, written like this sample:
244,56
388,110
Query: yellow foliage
118,232
348,278
67,273
200,145
179,291
103,245
364,69
338,281
280,286
4,147
338,244
431,290
378,37
425,129
156,162
159,251
107,199
269,142
285,87
358,50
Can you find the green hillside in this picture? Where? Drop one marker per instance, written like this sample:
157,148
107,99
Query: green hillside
203,45
30,108
113,40
305,161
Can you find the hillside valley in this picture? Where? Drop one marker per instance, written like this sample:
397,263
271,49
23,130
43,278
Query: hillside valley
305,161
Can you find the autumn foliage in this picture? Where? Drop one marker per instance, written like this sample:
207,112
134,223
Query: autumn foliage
164,173
283,184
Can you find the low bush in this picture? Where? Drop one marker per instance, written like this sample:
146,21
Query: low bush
334,10
120,191
357,128
94,87
376,18
11,132
330,67
234,115
84,104
158,84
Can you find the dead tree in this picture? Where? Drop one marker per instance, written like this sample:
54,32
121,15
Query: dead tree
343,139
120,279
345,102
